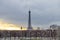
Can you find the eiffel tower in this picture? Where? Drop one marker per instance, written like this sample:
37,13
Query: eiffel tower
29,21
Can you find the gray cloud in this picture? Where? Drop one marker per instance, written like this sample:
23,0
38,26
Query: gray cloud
44,12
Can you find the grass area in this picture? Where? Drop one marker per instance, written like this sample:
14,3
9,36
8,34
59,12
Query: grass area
30,38
20,38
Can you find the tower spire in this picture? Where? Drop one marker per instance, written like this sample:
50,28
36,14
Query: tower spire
29,21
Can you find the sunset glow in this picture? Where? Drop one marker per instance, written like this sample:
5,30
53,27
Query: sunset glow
7,26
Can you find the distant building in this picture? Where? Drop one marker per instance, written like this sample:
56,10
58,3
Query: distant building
38,28
54,27
57,28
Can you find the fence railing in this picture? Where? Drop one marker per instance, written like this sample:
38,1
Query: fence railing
28,35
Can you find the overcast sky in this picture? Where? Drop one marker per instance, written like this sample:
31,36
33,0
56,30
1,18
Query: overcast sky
44,12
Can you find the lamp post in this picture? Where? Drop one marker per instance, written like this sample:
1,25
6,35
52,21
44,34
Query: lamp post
5,36
9,34
21,32
50,32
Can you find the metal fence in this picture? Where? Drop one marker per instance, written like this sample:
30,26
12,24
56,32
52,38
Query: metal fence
29,35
